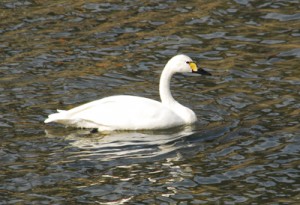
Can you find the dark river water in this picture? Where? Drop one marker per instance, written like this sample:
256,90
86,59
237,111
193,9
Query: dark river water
244,148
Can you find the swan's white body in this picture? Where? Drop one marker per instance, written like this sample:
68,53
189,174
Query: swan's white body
124,112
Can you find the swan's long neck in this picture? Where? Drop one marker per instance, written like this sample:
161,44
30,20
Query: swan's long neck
164,87
187,115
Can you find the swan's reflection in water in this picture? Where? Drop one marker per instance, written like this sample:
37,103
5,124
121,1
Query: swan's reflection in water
124,148
117,145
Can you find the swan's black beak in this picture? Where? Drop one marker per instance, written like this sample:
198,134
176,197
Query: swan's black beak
201,71
195,69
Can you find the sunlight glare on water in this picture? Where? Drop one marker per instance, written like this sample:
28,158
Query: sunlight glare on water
244,148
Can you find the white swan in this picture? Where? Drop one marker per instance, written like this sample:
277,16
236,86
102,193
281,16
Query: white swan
135,113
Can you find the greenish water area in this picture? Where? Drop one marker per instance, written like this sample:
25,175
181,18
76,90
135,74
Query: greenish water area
244,148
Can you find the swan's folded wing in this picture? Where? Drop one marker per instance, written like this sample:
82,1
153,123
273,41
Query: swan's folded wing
122,112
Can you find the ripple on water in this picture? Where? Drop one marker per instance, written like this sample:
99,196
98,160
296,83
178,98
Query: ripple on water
282,17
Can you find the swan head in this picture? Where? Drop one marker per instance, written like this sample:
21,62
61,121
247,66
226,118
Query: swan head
184,64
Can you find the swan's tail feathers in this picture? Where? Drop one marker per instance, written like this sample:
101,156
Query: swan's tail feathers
66,118
60,116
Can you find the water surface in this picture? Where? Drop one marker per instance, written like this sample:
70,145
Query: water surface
244,149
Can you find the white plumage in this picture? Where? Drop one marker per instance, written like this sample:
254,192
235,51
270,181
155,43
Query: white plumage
124,112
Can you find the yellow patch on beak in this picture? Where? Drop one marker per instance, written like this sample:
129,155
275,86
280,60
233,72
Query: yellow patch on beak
193,66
